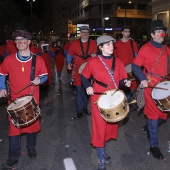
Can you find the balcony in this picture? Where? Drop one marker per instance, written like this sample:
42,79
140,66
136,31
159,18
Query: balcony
133,13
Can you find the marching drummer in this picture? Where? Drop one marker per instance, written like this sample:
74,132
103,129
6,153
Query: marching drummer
80,51
108,72
21,70
154,57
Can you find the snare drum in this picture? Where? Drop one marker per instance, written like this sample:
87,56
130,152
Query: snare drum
129,72
82,67
113,106
162,97
23,111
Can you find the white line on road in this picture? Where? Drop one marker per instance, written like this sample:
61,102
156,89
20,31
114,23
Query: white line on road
69,164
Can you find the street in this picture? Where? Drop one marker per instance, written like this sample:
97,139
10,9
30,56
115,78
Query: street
64,144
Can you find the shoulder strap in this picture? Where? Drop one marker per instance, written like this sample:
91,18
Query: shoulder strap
113,65
131,44
32,75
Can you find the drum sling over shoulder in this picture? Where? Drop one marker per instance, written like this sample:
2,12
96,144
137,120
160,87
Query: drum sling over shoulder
32,75
84,55
112,72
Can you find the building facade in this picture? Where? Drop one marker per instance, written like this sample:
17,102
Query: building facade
108,16
161,10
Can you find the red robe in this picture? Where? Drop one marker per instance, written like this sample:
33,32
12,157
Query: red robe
74,49
147,57
34,50
17,80
66,47
59,59
47,59
10,47
123,51
101,130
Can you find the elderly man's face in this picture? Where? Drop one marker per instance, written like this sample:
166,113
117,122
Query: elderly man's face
22,43
157,36
84,34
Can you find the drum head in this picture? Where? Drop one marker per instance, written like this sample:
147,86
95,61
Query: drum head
19,102
159,94
111,99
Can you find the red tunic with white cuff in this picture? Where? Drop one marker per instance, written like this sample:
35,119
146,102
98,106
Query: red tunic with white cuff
75,50
19,77
101,130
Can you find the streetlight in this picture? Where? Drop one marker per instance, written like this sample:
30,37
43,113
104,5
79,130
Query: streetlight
31,1
102,18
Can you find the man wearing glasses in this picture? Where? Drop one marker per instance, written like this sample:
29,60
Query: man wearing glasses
154,57
80,51
19,68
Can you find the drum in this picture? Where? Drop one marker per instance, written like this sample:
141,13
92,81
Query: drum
129,72
23,111
113,106
162,97
82,67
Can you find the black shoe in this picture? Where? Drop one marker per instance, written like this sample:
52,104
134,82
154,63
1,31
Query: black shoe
10,163
87,112
156,153
107,158
101,165
145,129
32,153
78,116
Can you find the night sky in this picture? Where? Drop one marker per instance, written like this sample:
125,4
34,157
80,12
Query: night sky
37,7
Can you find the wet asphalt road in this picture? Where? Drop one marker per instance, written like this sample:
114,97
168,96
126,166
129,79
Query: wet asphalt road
61,138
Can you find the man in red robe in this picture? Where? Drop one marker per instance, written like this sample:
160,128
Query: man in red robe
19,67
80,51
126,50
154,57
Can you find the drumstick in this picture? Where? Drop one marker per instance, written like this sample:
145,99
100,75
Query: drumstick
99,93
24,87
157,88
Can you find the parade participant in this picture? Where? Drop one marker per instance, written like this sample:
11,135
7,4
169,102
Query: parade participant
126,50
80,51
66,48
97,67
153,56
59,59
47,56
19,68
10,48
34,46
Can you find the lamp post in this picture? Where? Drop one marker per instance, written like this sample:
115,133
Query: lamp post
127,2
102,18
31,1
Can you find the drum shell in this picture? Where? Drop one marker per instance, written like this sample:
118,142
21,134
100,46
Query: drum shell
117,113
82,66
25,115
162,102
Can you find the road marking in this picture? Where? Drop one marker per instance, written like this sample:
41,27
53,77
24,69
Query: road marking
69,164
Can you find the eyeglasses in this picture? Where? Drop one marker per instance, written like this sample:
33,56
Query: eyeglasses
84,32
21,40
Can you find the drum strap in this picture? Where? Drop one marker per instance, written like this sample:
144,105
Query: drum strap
85,55
131,44
32,75
110,72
